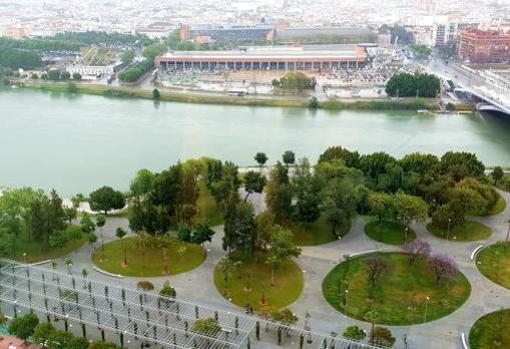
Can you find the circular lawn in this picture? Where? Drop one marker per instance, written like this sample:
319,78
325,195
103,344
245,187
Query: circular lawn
494,262
159,257
467,231
250,283
404,294
390,233
491,331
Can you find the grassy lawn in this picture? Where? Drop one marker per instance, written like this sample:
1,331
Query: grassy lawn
498,207
494,262
390,233
37,251
207,208
191,257
254,280
467,231
491,331
399,297
316,233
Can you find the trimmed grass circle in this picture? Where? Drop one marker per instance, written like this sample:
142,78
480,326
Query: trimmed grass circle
491,331
399,297
251,283
494,262
181,257
467,231
390,233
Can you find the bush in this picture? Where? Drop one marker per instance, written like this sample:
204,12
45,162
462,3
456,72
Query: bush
354,332
207,326
313,103
155,94
145,285
168,291
296,80
24,327
77,76
382,336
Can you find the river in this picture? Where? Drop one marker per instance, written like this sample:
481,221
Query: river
78,143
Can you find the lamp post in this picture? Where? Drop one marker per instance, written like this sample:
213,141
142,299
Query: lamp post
427,299
448,231
346,293
406,234
25,257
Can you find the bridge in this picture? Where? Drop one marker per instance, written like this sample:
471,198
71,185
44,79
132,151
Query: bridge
137,319
494,94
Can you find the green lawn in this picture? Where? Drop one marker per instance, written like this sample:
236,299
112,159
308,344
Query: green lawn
390,233
494,262
316,233
37,251
254,280
491,331
399,297
192,257
498,207
207,208
468,231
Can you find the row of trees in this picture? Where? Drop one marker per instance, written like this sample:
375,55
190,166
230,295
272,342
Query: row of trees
295,81
28,326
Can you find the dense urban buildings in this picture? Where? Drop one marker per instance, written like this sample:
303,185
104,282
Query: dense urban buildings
479,46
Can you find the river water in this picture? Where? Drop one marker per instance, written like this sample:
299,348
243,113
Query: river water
77,143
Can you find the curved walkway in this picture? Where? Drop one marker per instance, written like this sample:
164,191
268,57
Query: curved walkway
317,261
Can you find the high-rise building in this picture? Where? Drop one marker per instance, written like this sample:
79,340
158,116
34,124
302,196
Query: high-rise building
479,46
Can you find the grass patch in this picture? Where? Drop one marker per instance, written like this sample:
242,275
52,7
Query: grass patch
207,208
491,331
399,298
384,104
316,233
253,280
467,231
494,262
390,233
152,262
37,251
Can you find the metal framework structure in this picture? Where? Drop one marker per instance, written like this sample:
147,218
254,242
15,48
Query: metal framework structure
143,316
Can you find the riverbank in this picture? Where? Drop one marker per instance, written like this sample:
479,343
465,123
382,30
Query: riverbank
332,104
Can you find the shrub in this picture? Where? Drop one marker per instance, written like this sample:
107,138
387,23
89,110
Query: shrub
354,332
145,285
382,336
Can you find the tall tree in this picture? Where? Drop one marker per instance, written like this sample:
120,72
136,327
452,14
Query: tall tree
105,199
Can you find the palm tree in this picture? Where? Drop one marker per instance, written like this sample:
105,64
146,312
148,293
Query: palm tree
100,222
69,263
84,273
120,233
54,267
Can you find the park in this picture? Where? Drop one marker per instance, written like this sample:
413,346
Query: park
376,244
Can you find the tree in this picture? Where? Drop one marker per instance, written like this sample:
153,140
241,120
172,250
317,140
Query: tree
279,193
70,213
24,327
77,76
120,233
127,56
60,339
142,183
382,336
382,206
410,209
240,229
43,332
105,199
460,165
354,332
297,80
281,247
284,316
338,203
100,223
156,95
254,182
443,267
376,267
202,234
208,327
69,263
261,158
78,343
409,85
289,158
497,174
417,249
349,158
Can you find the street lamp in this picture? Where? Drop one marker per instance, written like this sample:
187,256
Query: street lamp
346,293
427,299
448,231
25,257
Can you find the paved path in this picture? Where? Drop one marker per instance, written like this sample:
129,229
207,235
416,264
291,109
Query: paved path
317,261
